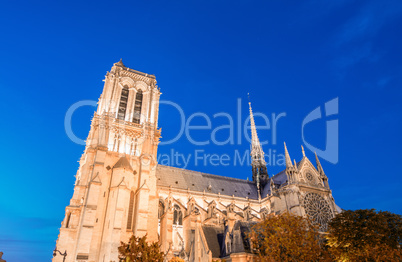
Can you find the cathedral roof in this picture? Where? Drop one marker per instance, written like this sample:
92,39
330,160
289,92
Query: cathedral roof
279,180
214,237
197,181
242,229
123,163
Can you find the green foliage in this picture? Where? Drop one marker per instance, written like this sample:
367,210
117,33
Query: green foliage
138,250
288,238
365,235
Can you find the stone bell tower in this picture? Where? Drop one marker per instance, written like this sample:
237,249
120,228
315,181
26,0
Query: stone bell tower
115,192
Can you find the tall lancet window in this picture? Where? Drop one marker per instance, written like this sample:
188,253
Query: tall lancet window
68,220
177,216
137,107
123,103
130,211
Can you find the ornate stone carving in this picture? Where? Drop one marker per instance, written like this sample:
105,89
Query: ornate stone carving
212,209
231,208
288,190
264,212
247,213
317,209
309,177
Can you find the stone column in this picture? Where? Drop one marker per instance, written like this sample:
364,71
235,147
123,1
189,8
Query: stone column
166,230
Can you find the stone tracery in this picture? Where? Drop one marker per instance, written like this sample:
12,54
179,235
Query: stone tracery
317,209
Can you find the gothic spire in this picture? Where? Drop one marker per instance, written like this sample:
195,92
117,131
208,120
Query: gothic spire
319,167
260,174
256,150
287,158
304,153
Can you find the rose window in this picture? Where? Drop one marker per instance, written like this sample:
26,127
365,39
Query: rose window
318,210
309,177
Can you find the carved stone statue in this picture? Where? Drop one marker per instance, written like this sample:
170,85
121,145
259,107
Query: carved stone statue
272,185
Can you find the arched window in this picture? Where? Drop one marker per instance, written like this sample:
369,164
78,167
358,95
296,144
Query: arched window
123,103
130,211
137,107
177,216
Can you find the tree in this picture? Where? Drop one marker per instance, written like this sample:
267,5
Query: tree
138,250
176,259
365,235
288,238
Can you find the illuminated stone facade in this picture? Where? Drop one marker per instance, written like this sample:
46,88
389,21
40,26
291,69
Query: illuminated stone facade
120,190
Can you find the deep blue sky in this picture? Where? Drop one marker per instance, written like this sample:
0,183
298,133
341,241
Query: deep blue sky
292,56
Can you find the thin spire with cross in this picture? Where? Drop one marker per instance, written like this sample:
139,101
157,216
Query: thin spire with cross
259,166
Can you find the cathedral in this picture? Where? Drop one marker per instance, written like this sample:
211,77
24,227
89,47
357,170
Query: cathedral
120,189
